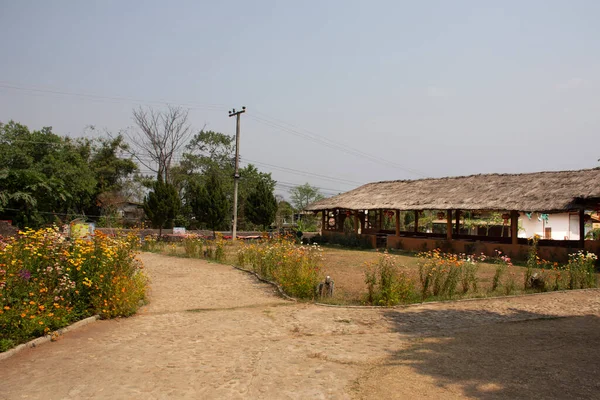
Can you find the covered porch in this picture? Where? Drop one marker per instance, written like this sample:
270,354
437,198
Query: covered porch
387,228
392,214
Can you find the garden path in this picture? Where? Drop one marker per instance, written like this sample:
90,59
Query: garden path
211,331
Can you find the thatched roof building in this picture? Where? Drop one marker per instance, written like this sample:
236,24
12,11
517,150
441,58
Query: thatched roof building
540,191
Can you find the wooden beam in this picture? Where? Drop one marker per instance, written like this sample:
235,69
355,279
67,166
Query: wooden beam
514,227
417,221
449,224
356,221
380,219
582,228
397,222
457,227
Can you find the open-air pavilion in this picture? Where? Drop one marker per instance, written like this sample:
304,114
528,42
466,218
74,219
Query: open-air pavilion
368,206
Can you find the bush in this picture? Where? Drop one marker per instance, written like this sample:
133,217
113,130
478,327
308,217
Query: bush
440,273
48,281
387,285
297,268
502,263
193,246
581,270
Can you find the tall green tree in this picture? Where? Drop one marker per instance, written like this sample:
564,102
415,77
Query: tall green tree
303,195
209,203
261,205
162,204
44,177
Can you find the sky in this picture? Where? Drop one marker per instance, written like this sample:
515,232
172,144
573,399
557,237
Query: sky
355,91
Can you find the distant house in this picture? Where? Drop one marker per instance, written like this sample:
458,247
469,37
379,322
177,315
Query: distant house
130,212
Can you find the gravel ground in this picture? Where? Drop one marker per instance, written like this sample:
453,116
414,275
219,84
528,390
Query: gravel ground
211,331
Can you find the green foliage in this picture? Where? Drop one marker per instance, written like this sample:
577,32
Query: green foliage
44,175
261,205
162,204
387,285
304,195
350,240
209,203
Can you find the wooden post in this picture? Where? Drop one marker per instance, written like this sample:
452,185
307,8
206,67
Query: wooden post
417,221
514,227
449,224
397,222
582,228
380,219
356,221
457,227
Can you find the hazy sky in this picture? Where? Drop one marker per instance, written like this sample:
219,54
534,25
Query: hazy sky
426,88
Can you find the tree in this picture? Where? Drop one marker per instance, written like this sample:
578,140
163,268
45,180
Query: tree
162,205
304,195
209,203
285,212
261,205
161,135
44,177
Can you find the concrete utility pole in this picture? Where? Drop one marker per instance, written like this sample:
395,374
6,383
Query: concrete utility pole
236,174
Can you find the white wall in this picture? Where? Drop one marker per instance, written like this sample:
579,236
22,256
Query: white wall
561,225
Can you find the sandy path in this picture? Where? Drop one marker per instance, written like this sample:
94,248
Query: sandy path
242,341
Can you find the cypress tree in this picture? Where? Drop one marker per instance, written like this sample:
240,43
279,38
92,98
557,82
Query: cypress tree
162,204
261,205
209,203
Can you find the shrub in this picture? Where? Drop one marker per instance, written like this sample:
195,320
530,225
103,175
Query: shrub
440,273
351,239
297,268
502,263
193,246
387,285
581,270
219,253
510,286
47,281
469,278
152,244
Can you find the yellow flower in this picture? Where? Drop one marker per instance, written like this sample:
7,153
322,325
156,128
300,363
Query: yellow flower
6,307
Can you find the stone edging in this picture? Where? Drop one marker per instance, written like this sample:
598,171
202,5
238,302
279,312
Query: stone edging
279,289
49,337
424,303
412,304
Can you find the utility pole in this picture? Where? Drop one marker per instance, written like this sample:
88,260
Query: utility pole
236,174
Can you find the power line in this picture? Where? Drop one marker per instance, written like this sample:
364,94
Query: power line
212,107
331,144
298,172
266,119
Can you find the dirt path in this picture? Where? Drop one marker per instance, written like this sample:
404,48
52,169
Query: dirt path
213,332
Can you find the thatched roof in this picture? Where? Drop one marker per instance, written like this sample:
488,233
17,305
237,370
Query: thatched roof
540,191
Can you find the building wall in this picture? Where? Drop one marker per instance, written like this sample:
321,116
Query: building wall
516,252
558,223
564,226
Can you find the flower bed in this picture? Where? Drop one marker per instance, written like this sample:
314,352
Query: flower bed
48,282
297,268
